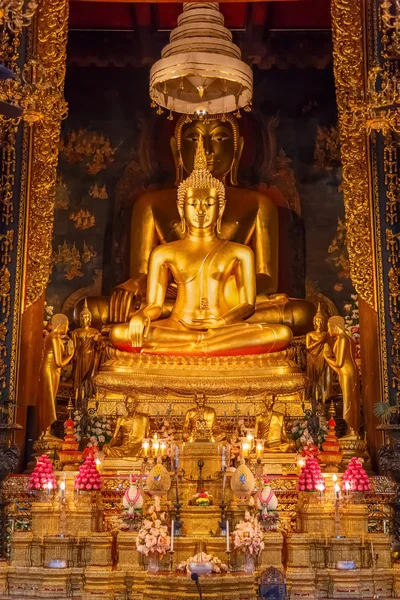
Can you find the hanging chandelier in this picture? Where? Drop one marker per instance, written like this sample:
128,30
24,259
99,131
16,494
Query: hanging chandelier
200,70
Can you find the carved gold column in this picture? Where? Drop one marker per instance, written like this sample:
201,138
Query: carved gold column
350,66
49,48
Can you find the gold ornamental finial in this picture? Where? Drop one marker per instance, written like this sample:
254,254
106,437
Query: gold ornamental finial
200,160
85,310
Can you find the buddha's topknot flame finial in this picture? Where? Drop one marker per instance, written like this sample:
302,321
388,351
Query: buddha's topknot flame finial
200,160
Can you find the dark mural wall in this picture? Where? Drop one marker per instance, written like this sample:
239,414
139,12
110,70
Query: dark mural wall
114,146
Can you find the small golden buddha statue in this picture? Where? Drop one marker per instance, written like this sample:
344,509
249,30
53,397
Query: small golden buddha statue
130,431
198,415
89,351
53,360
216,286
270,427
250,217
342,359
318,369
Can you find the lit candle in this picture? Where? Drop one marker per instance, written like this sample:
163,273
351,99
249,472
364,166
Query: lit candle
337,491
98,464
249,437
245,449
227,537
49,487
223,458
259,450
155,445
321,488
176,457
334,477
62,488
347,488
145,446
172,534
162,448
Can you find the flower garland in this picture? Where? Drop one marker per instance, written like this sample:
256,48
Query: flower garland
153,535
99,430
248,535
201,557
302,437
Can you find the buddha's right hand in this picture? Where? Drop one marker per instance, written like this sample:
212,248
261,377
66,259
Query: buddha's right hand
138,329
126,298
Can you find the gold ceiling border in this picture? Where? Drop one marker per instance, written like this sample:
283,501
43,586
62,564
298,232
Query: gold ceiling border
50,41
349,73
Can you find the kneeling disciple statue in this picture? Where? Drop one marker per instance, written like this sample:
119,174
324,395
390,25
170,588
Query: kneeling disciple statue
216,286
130,431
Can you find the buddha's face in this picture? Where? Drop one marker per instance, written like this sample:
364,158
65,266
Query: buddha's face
201,208
218,143
131,405
269,404
200,401
318,323
85,319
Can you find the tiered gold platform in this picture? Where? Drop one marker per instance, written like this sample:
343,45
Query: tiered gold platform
215,376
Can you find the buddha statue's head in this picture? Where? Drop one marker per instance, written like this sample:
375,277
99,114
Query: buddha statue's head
336,326
222,143
59,323
200,400
319,320
269,401
201,197
131,404
85,316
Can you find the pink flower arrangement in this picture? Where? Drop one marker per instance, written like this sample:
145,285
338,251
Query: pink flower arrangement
355,477
310,478
42,475
88,477
248,536
153,535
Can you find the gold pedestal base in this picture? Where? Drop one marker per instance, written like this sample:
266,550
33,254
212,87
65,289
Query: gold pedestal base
237,376
175,586
122,466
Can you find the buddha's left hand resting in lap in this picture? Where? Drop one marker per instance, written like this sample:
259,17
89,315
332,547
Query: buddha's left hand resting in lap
216,286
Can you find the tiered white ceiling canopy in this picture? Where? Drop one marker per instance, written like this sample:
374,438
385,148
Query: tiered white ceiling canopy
200,70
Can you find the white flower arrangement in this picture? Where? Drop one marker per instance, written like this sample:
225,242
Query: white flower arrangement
201,557
99,430
248,536
153,537
302,436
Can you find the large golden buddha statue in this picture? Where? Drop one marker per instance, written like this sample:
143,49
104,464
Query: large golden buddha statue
250,218
215,280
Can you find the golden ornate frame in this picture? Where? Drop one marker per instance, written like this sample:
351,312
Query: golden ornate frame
50,42
349,72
